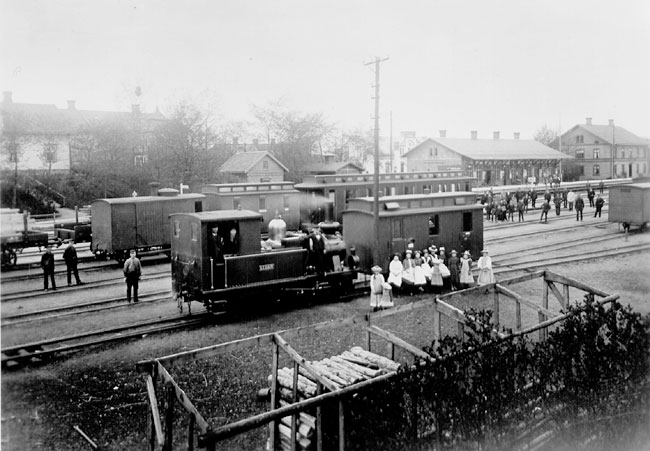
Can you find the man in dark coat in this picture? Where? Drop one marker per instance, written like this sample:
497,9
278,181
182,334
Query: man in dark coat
47,263
558,204
316,248
70,258
590,195
132,273
580,205
546,206
601,186
599,206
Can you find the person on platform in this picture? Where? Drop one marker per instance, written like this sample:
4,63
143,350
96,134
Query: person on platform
353,259
546,207
418,272
599,206
316,248
70,258
436,275
571,198
521,208
47,264
580,205
132,272
395,269
590,195
466,278
454,269
533,198
558,204
376,287
485,275
446,275
601,186
408,276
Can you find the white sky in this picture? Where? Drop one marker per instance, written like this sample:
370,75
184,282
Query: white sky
508,65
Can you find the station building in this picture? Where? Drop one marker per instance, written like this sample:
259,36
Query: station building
492,162
604,152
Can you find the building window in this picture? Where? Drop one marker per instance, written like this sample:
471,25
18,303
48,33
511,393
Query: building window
596,169
140,160
467,222
397,228
580,139
435,151
581,170
434,225
596,153
236,203
580,153
262,203
637,169
614,170
644,168
430,151
177,229
265,164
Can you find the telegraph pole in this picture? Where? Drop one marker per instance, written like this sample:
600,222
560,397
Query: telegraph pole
375,191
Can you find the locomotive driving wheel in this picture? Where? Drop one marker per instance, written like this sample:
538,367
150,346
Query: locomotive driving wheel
9,257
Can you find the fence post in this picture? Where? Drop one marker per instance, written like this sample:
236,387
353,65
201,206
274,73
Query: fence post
517,314
496,309
190,434
567,299
319,419
341,426
169,418
391,351
436,326
542,317
274,394
296,368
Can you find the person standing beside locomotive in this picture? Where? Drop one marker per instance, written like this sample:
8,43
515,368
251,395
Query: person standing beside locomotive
316,248
47,263
132,273
70,258
484,264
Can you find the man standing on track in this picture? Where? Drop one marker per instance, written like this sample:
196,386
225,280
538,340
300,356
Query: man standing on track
599,206
601,186
47,263
70,258
132,273
580,205
546,207
590,195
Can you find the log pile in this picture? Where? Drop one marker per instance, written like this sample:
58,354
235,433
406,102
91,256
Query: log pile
350,367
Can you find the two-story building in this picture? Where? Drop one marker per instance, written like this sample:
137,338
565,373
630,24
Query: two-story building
604,151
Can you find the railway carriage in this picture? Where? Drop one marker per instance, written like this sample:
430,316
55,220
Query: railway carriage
340,188
630,204
198,274
125,223
267,198
452,220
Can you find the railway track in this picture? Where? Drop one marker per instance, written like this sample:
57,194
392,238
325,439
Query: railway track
100,284
42,351
79,309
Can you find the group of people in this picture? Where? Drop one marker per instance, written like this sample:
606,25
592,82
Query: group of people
428,270
132,270
502,207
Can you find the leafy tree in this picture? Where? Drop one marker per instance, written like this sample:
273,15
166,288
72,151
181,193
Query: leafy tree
545,135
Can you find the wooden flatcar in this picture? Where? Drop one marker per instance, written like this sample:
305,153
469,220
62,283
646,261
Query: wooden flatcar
340,188
267,198
630,204
209,267
141,223
16,235
452,220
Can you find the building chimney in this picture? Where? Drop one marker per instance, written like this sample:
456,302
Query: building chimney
611,122
516,135
588,121
235,141
474,134
71,105
135,108
443,133
495,136
6,97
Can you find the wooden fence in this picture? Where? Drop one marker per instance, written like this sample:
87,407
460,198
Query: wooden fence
327,390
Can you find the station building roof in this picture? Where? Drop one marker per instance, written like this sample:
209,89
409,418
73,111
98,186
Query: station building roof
243,162
495,149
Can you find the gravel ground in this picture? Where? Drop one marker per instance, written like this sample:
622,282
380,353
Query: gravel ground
101,393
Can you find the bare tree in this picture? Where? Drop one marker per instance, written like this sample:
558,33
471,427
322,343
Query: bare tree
545,135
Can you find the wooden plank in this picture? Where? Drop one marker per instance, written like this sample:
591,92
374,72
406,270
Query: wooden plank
543,331
544,294
495,308
399,342
551,276
341,425
436,327
567,298
556,293
298,358
155,414
517,314
295,398
450,311
274,394
522,278
511,294
184,400
391,350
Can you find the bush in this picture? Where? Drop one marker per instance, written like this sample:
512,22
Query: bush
586,386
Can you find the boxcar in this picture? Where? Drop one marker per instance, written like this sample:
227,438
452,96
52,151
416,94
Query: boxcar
340,188
267,198
452,220
630,204
142,223
215,281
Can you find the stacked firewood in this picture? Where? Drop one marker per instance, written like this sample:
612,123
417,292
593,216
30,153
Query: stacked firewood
348,368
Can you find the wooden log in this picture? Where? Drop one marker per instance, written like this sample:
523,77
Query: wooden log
287,382
347,355
287,394
327,374
358,368
349,379
302,381
303,372
303,429
376,359
305,418
348,370
286,432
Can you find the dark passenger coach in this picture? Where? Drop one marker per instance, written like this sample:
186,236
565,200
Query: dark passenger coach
452,220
